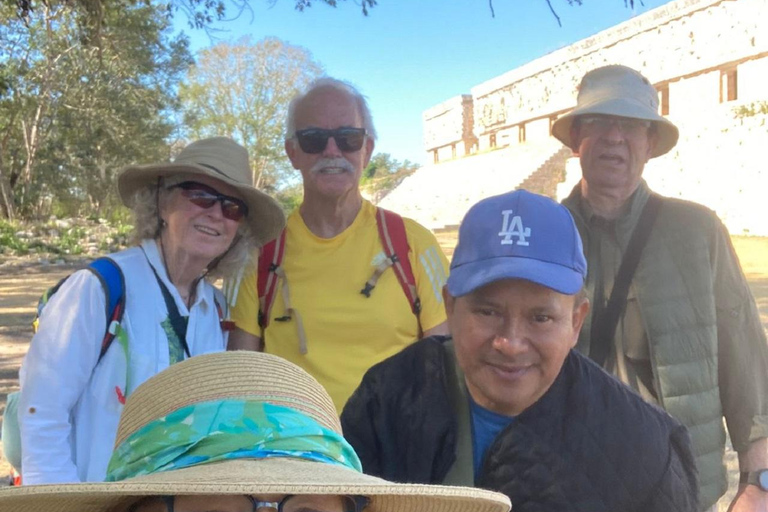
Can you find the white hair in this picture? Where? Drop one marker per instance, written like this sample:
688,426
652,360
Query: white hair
332,83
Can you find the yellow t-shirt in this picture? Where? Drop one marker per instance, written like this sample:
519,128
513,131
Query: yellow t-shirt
347,333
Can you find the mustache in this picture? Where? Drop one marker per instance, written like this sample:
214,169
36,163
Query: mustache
325,163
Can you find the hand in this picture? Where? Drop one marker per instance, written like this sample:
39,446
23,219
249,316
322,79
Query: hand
750,498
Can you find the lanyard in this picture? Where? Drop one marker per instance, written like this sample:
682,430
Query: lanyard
178,322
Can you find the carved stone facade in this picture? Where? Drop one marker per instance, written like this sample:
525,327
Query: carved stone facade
699,54
448,129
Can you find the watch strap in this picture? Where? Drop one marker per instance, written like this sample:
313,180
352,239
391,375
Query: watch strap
753,478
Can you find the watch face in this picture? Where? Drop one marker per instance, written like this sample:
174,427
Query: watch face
762,479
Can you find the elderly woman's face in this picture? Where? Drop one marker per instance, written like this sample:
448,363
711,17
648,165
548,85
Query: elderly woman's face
196,233
272,503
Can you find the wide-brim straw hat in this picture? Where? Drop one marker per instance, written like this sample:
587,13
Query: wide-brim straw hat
251,376
618,91
220,158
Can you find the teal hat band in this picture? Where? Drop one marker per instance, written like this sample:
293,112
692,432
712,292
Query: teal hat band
224,430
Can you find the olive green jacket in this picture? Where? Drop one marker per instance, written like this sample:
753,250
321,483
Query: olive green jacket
708,348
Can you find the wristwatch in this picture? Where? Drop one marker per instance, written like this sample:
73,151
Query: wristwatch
758,478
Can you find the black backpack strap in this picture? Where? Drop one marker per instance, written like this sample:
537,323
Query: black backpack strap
604,321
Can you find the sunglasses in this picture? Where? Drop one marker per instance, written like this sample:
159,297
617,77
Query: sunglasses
314,140
205,197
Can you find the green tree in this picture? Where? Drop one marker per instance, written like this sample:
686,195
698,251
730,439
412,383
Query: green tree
75,112
383,174
123,112
33,55
94,15
242,90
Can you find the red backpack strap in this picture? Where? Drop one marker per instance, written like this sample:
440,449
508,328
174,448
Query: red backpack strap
225,323
395,243
270,259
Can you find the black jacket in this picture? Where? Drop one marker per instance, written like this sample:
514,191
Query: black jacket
589,444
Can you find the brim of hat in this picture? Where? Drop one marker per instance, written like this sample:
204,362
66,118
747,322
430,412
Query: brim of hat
255,477
265,217
623,107
471,276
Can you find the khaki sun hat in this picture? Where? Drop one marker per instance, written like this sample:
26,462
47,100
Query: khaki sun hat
618,91
213,382
221,158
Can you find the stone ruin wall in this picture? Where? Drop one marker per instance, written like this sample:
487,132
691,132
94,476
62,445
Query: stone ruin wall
683,45
449,128
686,48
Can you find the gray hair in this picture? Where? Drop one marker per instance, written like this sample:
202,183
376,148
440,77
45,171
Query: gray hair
332,83
144,207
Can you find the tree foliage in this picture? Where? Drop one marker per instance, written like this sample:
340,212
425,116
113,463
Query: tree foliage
73,113
242,90
383,174
94,15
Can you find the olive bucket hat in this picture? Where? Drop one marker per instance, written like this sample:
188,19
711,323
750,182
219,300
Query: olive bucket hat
220,158
618,91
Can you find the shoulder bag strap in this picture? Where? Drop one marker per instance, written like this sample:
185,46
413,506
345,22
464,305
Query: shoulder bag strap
604,322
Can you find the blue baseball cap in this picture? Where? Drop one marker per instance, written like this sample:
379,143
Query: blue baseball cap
518,235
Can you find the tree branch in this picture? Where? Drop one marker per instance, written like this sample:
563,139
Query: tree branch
552,10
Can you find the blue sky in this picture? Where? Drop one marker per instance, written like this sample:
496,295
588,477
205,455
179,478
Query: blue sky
408,55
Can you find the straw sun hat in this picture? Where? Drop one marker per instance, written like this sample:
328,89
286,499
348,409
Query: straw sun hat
618,91
220,158
227,377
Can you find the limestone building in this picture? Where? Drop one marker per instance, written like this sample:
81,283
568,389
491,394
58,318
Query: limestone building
707,58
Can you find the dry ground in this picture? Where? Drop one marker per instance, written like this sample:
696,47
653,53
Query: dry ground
20,288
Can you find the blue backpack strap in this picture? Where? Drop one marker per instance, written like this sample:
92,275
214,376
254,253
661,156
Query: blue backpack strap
113,282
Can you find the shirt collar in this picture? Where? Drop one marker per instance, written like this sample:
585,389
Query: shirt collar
203,294
628,216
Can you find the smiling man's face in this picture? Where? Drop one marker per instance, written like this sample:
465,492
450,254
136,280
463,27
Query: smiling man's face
511,338
612,158
331,174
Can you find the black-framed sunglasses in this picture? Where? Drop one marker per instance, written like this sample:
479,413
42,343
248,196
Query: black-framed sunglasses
314,140
205,197
291,503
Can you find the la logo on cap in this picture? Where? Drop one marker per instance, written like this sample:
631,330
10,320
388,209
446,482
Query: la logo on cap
513,227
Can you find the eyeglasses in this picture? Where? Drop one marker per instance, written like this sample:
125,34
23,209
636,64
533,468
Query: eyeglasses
306,503
314,140
205,197
601,124
291,503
